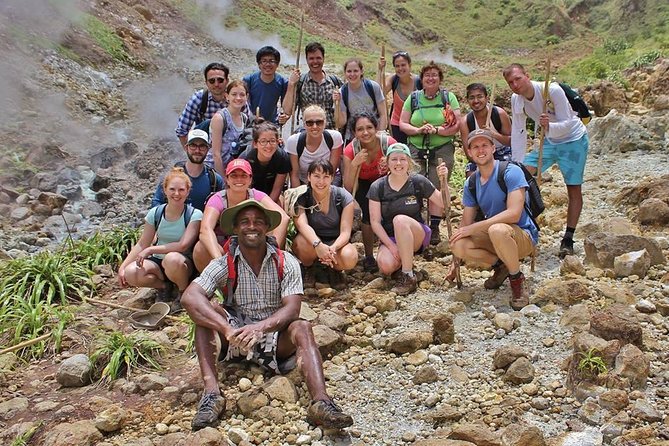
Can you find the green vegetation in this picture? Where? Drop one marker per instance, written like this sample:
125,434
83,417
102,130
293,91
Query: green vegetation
104,248
457,181
106,38
120,354
591,363
24,438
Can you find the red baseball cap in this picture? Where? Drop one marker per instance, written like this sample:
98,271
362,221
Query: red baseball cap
240,164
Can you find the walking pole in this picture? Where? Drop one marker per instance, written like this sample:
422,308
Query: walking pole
543,132
297,67
382,84
488,119
446,198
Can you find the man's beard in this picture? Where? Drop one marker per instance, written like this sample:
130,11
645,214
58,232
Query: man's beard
193,160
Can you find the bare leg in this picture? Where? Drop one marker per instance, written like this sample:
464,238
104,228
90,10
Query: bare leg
178,268
575,205
368,239
149,275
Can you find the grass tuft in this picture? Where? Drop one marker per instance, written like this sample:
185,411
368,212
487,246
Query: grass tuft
120,354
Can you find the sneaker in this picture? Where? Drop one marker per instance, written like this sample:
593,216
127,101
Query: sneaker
337,279
327,414
369,264
405,285
167,294
435,238
421,275
566,248
209,409
520,295
500,274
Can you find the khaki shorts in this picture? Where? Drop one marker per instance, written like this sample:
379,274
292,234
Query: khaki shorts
521,237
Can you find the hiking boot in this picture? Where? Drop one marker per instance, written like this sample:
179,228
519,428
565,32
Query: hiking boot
327,414
309,277
369,264
167,294
500,274
566,248
435,238
337,279
421,275
209,409
405,285
520,295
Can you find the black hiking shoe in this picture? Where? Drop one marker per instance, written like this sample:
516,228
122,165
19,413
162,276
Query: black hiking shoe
168,293
566,248
435,237
327,414
369,264
337,279
209,409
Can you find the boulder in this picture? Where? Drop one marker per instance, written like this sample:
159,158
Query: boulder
576,317
410,341
440,441
572,265
607,350
632,263
208,436
522,435
505,356
426,375
653,211
152,381
79,433
631,363
251,401
332,320
10,407
111,419
519,372
562,292
478,434
282,389
75,371
617,133
52,200
642,410
611,324
614,400
443,329
604,97
327,339
601,249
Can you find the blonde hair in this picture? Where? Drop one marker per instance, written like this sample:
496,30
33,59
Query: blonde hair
414,167
176,172
315,109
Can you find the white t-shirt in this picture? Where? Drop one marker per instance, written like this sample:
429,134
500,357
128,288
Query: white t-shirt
321,153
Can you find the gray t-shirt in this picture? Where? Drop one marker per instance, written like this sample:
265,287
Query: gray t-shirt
406,201
359,100
326,226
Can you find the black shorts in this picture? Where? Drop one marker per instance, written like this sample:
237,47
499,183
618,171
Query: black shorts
361,198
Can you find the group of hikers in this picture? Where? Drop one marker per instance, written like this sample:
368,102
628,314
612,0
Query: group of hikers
220,219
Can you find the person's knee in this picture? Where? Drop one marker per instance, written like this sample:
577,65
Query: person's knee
459,249
387,263
348,257
499,231
174,261
401,222
300,332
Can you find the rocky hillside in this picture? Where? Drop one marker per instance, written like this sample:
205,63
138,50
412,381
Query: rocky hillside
91,92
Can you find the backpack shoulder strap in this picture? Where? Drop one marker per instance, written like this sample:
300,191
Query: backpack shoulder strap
335,80
471,185
471,121
395,80
328,139
344,96
301,143
444,97
204,104
384,143
188,213
211,173
496,120
369,87
501,169
158,216
181,164
418,84
414,100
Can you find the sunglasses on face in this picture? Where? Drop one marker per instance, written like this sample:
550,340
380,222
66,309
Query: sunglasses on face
216,80
311,123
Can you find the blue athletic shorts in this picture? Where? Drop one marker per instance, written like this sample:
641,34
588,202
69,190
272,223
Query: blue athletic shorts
569,156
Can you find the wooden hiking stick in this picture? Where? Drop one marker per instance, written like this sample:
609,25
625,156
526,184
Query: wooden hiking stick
297,67
382,84
446,198
24,344
488,119
122,307
543,132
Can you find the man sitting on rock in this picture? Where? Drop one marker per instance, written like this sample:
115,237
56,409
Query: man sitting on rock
204,179
507,234
259,319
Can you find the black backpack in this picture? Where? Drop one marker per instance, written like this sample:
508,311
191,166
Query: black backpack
494,117
302,141
369,87
536,205
245,138
577,103
203,108
210,173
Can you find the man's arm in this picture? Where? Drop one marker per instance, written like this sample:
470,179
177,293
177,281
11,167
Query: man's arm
564,115
289,98
188,116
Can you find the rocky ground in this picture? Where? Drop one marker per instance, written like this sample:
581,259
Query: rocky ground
439,367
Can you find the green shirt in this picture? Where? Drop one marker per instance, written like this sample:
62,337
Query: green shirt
429,111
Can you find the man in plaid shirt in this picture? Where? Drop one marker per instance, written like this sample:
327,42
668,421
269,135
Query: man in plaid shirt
259,319
216,80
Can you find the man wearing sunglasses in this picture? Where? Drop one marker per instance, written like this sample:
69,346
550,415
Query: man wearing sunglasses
204,179
266,87
206,102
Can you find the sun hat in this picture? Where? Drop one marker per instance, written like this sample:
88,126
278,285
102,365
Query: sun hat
228,216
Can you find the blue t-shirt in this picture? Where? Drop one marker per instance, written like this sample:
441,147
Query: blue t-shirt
266,95
492,200
170,231
200,190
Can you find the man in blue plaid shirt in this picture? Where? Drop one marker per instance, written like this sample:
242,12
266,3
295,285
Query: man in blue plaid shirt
216,80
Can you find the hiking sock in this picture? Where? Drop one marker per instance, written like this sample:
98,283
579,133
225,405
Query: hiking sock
569,233
515,276
497,264
408,273
434,221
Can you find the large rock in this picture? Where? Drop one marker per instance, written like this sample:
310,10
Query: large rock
208,436
425,375
10,407
631,363
332,320
251,401
443,329
282,389
79,433
440,441
653,211
587,342
410,341
601,249
522,435
478,434
327,339
612,324
152,381
572,265
75,371
604,97
632,263
617,133
519,372
613,400
576,317
52,200
506,355
562,292
111,419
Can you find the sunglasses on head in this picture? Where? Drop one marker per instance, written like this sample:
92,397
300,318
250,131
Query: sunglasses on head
214,80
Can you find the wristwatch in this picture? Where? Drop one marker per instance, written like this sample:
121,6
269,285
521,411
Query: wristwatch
315,243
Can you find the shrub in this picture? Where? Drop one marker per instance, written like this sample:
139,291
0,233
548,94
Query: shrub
591,364
104,248
647,58
615,46
120,354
